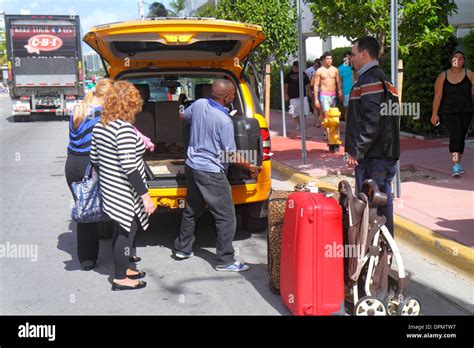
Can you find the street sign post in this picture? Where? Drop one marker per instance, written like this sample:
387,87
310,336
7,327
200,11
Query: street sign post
301,66
394,71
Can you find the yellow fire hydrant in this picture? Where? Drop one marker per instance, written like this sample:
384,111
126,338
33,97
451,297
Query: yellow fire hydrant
331,123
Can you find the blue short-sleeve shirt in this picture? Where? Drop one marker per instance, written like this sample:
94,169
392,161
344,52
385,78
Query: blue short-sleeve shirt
212,135
346,75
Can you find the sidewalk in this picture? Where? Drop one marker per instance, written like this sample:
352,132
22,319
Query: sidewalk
436,211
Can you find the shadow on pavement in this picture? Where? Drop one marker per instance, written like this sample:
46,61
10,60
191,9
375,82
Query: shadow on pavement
164,230
435,302
37,118
257,275
165,227
67,243
456,226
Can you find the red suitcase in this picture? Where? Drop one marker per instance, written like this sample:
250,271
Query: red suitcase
311,266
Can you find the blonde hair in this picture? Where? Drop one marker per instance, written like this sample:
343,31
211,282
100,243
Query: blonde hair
123,102
83,109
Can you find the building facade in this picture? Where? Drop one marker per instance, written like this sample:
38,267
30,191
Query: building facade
92,62
463,20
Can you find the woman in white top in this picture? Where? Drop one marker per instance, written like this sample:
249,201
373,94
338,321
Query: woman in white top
117,151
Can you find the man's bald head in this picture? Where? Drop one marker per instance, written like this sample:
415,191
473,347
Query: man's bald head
223,91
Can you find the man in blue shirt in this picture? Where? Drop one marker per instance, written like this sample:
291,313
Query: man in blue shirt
346,72
212,138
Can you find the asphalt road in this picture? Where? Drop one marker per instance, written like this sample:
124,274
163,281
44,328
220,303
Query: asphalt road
35,213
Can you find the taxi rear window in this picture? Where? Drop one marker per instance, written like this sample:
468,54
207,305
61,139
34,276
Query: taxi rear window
218,46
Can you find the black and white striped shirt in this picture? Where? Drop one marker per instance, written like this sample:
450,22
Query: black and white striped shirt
118,151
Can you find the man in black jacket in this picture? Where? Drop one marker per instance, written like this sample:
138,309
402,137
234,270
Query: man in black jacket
372,134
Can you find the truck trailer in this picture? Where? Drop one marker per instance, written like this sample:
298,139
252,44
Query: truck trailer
44,61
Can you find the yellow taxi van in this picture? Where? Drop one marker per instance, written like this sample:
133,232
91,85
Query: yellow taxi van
173,62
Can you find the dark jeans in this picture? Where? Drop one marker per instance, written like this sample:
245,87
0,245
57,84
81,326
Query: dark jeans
122,247
383,172
87,233
457,125
213,190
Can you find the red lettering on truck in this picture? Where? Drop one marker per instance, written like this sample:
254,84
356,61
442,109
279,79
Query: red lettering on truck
43,42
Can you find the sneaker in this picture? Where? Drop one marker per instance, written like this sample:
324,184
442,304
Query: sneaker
461,169
233,267
183,255
456,170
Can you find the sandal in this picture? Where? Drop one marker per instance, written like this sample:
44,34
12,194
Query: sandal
139,275
134,259
117,287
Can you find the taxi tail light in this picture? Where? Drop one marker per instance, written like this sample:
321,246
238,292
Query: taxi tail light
266,143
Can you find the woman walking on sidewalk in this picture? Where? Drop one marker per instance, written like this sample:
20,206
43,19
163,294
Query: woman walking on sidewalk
83,119
452,105
117,150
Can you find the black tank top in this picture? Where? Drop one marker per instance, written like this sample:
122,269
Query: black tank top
456,97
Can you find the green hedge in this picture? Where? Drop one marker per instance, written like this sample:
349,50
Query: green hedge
275,88
421,68
338,55
468,43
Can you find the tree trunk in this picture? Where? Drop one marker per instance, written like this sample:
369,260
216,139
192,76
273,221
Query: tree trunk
267,94
381,38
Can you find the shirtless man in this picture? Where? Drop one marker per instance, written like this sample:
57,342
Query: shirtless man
326,80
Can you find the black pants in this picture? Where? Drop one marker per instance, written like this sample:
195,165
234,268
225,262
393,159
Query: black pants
382,171
213,190
122,247
458,125
87,233
311,103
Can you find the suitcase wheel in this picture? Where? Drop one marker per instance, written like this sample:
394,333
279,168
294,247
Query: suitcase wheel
369,305
409,307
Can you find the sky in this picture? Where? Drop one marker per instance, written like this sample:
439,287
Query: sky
90,12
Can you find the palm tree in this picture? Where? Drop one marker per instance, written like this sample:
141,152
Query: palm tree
177,6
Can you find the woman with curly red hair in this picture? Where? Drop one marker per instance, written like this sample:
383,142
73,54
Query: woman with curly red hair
117,150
